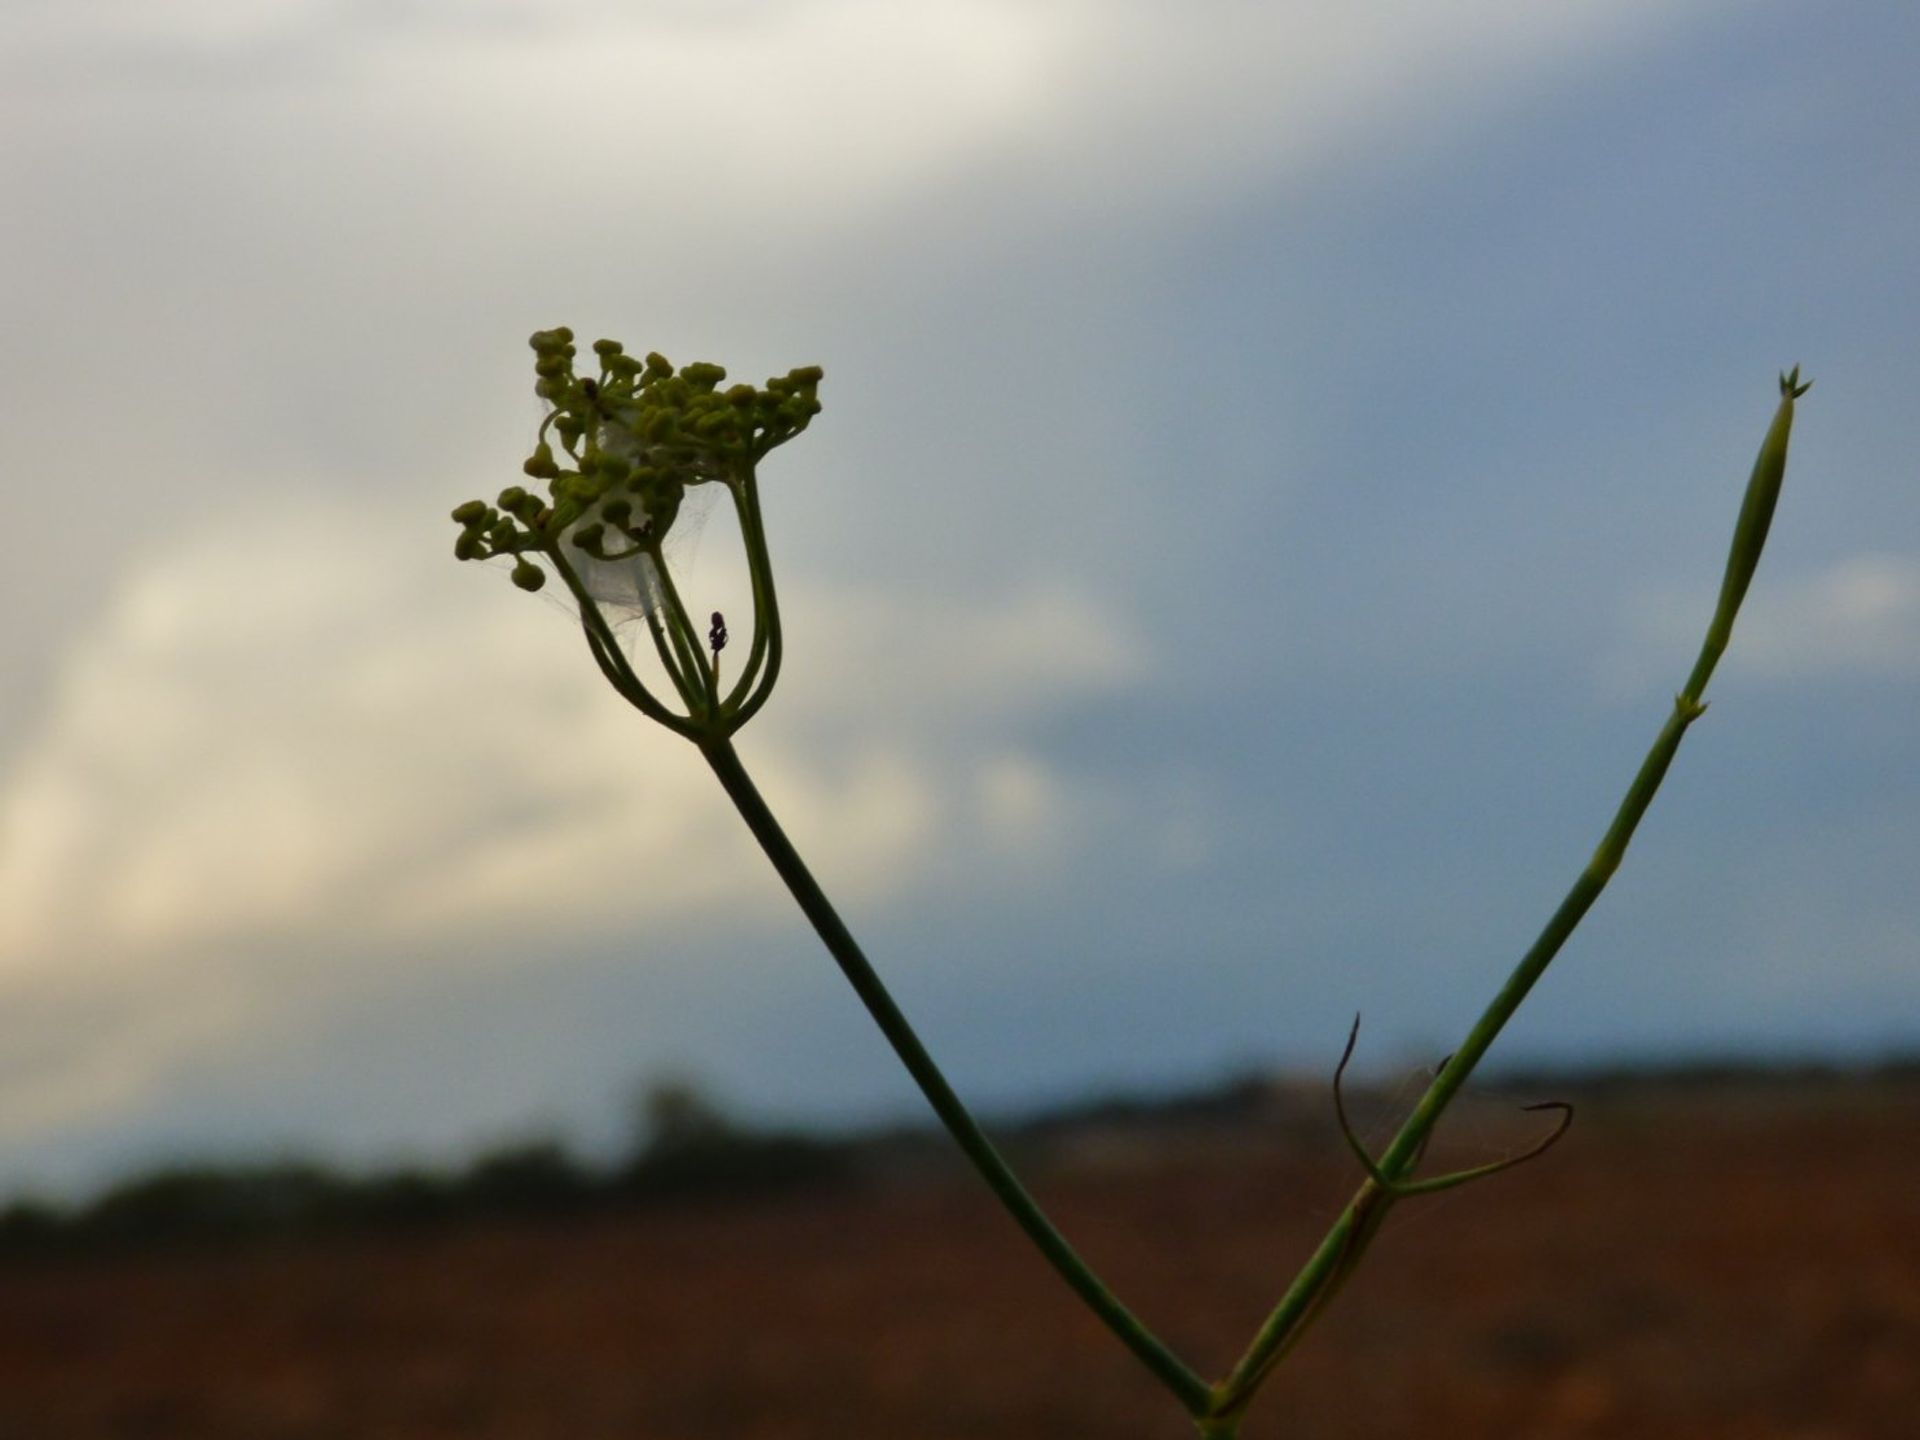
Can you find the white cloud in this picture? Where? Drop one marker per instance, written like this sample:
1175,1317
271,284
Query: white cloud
1020,804
1860,616
307,733
807,116
307,730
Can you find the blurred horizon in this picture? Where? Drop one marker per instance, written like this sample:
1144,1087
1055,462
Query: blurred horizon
738,1155
1276,465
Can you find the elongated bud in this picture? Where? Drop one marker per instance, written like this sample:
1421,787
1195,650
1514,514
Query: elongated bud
1763,494
1749,538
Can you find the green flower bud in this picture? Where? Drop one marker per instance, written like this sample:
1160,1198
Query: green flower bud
620,450
540,464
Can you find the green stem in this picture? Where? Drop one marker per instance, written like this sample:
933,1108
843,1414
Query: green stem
702,694
1333,1262
766,601
608,655
760,574
1188,1387
670,663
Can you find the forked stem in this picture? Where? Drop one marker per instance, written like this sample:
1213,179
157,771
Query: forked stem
713,715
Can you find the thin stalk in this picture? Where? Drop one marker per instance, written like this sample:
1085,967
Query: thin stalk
760,563
1187,1387
761,577
1329,1265
670,662
686,641
608,655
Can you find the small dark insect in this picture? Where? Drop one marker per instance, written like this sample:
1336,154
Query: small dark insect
717,636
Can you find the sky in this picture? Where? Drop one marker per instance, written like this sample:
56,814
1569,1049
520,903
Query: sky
1277,463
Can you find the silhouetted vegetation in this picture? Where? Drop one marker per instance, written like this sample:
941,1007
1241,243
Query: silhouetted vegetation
686,1148
690,1148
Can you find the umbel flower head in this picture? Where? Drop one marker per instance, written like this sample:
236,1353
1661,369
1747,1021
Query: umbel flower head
616,454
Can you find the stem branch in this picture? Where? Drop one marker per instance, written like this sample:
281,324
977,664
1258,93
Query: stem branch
1189,1388
1328,1268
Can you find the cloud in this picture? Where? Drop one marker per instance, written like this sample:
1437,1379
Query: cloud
303,748
1857,618
303,227
1860,616
811,115
303,732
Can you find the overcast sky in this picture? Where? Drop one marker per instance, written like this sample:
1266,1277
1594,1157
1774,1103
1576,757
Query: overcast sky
1276,465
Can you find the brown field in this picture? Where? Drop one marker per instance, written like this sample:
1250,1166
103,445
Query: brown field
1734,1262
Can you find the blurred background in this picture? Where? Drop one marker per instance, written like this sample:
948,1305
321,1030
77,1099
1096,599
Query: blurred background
1277,462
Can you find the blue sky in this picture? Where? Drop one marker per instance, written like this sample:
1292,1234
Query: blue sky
1275,469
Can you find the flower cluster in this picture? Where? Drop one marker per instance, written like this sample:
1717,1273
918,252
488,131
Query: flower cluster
630,441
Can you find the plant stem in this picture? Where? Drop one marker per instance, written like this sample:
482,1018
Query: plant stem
766,612
1333,1262
1187,1387
766,605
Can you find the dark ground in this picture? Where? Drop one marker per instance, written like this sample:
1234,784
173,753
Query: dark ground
1708,1262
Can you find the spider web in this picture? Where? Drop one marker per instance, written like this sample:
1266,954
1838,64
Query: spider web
628,591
